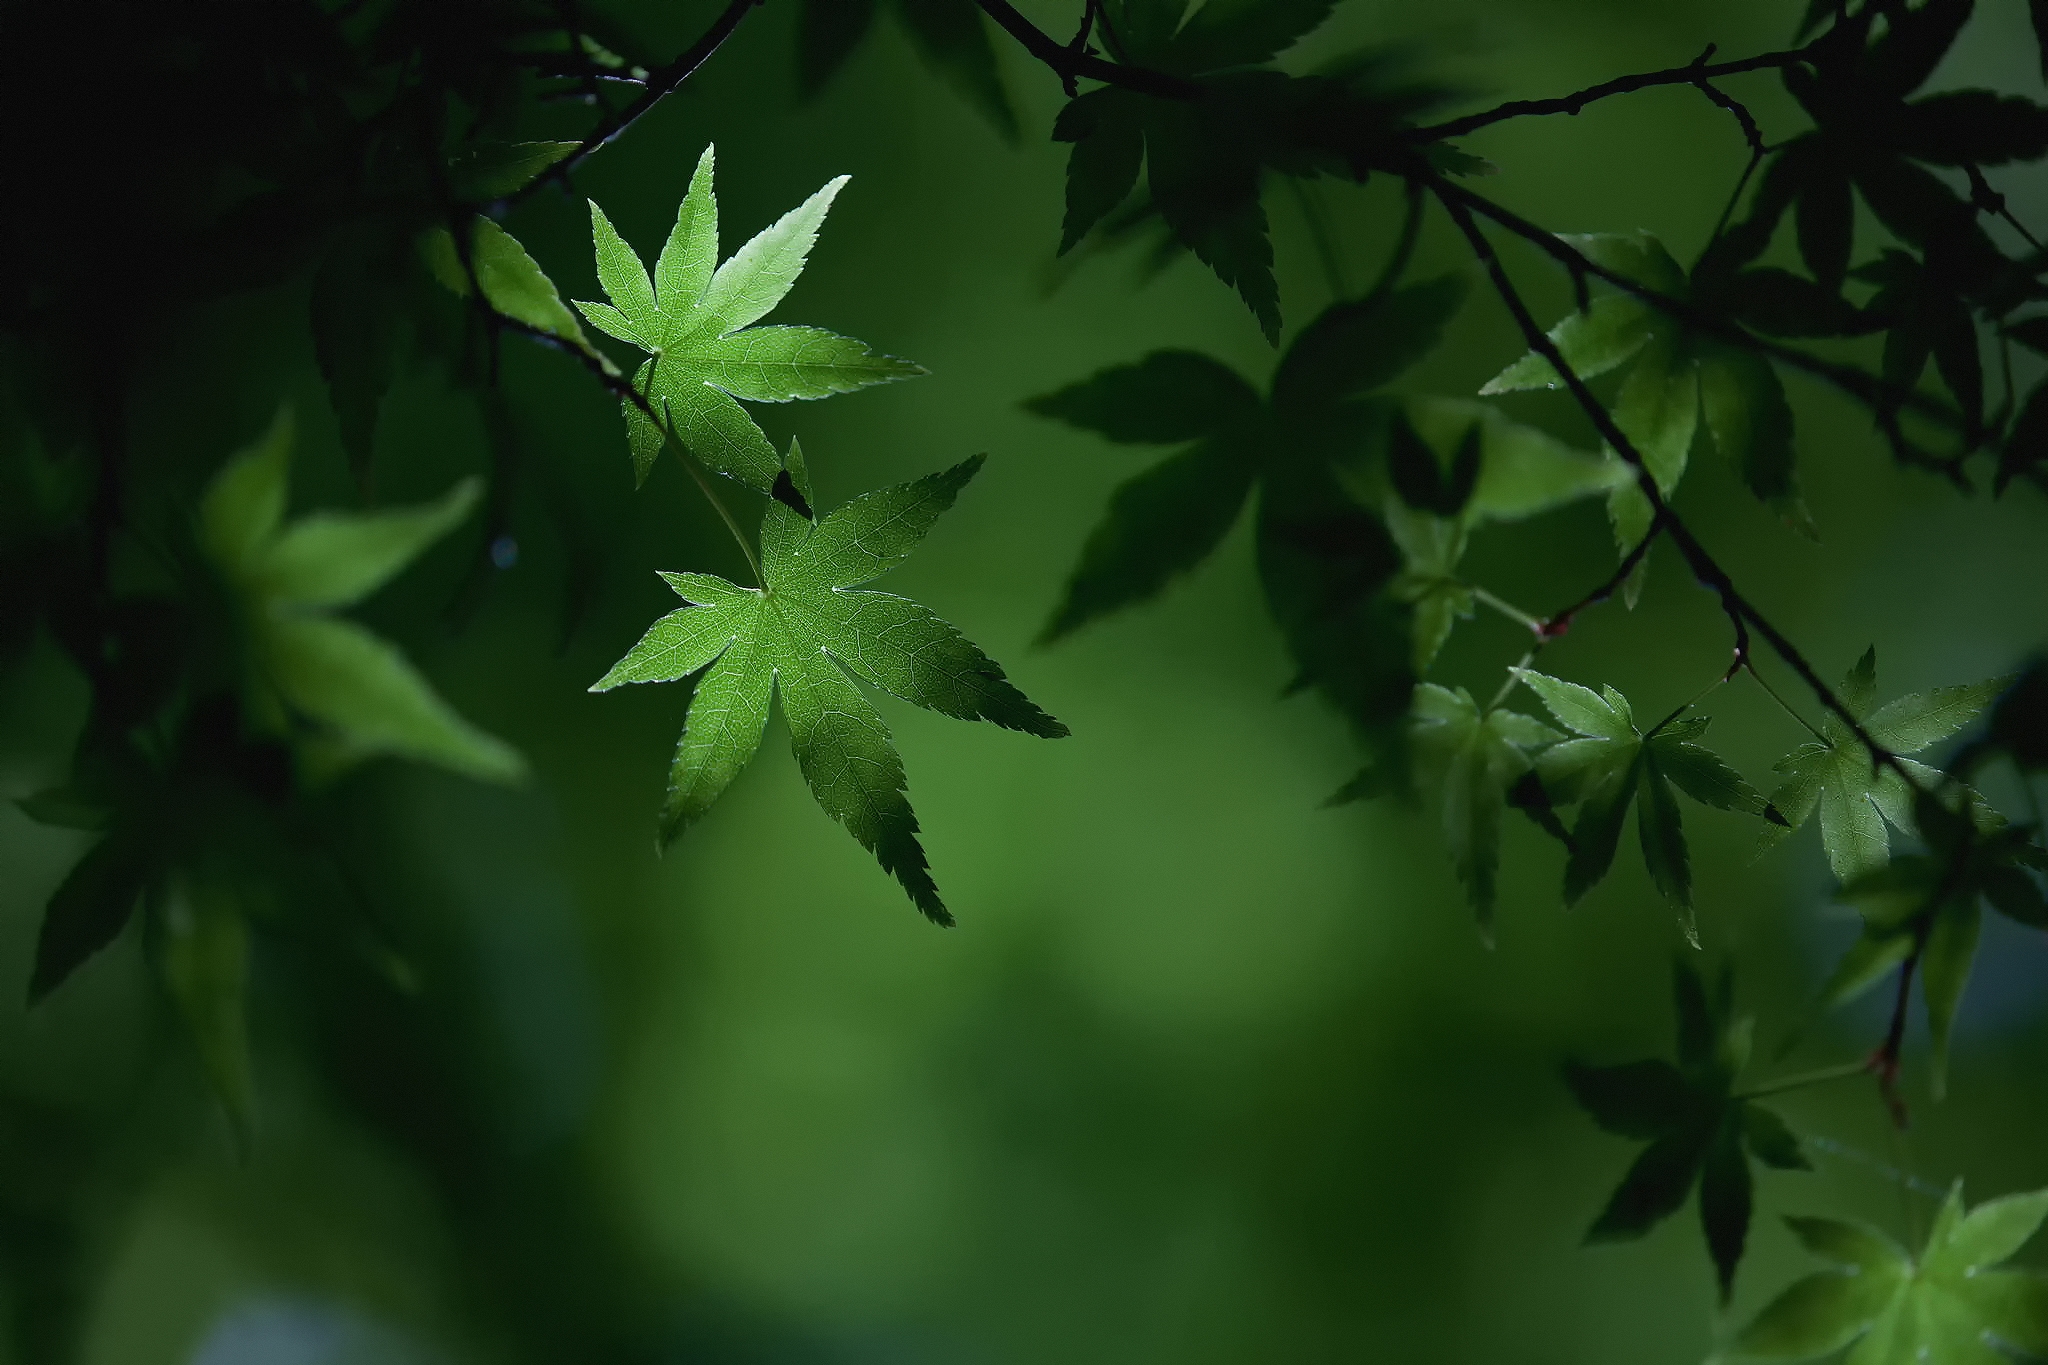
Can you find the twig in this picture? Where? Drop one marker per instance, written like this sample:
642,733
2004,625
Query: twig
1882,398
1560,622
1696,72
659,85
626,390
1740,612
1068,63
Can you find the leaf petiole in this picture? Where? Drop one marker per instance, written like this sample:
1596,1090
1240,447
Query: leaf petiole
1806,1078
1508,609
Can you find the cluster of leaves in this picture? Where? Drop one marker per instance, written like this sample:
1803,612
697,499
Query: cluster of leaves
1206,149
184,781
1361,584
1702,1132
1872,141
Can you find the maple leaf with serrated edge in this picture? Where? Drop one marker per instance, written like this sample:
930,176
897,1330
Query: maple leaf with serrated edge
1700,1130
806,635
1672,379
1466,762
694,316
1612,765
1955,1305
1855,798
339,692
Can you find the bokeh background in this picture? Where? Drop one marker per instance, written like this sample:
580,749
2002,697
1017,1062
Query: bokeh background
1208,1072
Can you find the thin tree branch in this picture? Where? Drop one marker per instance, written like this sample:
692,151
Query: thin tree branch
1069,63
659,84
1740,612
1882,398
1696,72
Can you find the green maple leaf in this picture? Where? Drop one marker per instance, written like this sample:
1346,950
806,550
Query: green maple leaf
694,316
1466,764
1856,799
1953,1306
806,635
340,692
1612,765
1700,1129
1671,378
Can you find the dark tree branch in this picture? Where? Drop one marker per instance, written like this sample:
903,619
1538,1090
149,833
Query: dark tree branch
1697,72
1069,62
1558,623
1742,614
1885,400
659,84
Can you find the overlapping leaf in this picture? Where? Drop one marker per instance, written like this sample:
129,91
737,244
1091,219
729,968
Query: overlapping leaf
694,317
1671,378
806,635
1958,1304
1701,1131
1612,765
1835,777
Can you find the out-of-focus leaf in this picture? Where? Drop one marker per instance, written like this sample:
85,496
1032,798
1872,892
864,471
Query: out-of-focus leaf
359,692
491,170
1949,1307
335,559
88,910
952,36
205,962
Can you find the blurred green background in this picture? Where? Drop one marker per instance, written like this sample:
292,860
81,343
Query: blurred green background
1208,1073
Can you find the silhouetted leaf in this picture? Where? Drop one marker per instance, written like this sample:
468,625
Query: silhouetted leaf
88,910
1699,1130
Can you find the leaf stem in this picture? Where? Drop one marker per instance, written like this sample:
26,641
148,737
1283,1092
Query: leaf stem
1532,624
1784,705
1319,233
732,524
1806,1078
